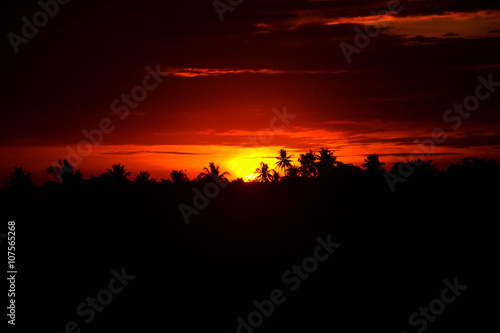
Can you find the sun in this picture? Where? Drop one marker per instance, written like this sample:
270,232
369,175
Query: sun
250,177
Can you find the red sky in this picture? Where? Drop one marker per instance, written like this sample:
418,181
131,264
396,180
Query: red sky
226,78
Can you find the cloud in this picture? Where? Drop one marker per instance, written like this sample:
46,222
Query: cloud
409,154
196,72
410,22
473,140
472,25
137,152
208,131
404,98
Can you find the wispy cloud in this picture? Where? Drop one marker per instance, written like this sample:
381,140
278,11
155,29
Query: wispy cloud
407,154
471,25
196,72
450,24
138,152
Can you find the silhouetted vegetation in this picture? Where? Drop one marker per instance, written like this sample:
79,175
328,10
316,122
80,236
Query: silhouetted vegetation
264,174
178,177
284,160
321,166
19,179
214,172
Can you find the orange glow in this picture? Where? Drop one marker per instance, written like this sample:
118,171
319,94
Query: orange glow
250,177
240,162
193,72
197,72
230,83
463,24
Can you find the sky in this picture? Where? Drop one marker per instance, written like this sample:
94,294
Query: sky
163,85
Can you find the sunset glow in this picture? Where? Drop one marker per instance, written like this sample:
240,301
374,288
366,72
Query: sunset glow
214,91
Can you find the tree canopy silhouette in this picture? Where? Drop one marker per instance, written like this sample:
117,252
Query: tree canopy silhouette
117,174
284,160
308,164
373,164
144,178
322,165
178,177
65,174
292,172
265,175
326,163
214,172
19,179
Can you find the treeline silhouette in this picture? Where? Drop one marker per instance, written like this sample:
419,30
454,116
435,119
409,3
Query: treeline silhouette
322,165
397,247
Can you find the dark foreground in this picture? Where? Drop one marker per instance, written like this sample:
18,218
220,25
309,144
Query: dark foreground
396,250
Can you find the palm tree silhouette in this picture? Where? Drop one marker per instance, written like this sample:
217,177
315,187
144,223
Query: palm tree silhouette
293,172
284,161
275,176
63,172
178,176
372,164
118,173
19,179
308,164
265,174
143,178
326,162
474,169
214,172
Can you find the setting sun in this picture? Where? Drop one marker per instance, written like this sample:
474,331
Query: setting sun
250,177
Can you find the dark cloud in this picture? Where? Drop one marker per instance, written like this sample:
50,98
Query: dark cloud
136,152
473,140
430,155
